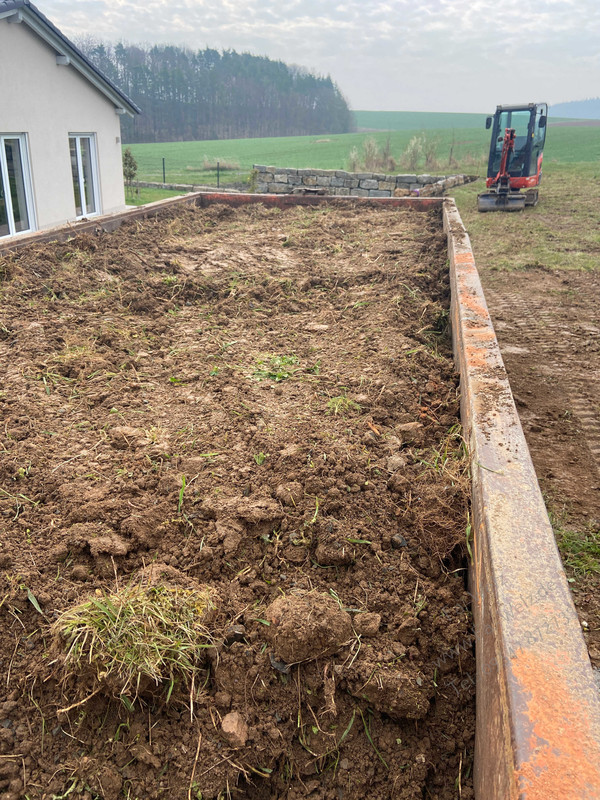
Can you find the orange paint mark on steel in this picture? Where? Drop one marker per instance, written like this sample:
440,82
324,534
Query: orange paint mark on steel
464,258
564,759
474,304
482,334
475,357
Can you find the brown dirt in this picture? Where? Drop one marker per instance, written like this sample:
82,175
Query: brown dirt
548,328
342,662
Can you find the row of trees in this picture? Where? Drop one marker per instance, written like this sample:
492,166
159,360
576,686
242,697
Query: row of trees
207,94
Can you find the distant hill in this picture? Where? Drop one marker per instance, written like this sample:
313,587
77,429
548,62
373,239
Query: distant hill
577,109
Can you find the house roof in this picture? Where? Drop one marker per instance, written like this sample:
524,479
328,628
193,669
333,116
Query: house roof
26,12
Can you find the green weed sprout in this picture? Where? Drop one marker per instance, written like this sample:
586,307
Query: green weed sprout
275,368
343,406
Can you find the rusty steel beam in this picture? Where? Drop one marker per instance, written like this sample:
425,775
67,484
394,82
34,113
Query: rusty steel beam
101,224
288,200
110,222
538,708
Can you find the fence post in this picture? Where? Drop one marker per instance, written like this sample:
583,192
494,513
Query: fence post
164,179
218,176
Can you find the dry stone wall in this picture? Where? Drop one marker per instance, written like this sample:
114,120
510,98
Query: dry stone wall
285,180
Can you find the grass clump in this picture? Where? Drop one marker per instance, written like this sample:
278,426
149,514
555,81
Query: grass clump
373,158
581,550
275,368
579,545
210,163
139,636
343,406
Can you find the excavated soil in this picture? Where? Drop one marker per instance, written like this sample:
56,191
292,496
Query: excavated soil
264,403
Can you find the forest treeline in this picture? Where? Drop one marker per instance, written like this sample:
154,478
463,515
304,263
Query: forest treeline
207,94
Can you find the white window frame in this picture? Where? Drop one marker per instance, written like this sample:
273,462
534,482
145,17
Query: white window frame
94,176
27,183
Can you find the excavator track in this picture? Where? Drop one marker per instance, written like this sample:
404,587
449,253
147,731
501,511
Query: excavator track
532,197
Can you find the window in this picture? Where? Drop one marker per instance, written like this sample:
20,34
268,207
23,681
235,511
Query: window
538,139
518,164
83,168
16,207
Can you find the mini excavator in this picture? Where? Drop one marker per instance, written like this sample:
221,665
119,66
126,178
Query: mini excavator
516,153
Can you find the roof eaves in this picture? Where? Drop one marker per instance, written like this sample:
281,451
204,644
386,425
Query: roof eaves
51,34
10,7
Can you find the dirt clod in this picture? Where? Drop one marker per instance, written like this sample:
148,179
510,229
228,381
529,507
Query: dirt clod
367,624
307,625
398,541
290,494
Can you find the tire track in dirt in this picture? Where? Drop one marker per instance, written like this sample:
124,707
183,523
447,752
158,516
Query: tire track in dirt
547,327
535,329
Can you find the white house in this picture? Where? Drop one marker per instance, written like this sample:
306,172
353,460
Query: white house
60,131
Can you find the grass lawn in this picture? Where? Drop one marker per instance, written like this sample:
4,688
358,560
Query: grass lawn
144,195
416,120
184,160
562,231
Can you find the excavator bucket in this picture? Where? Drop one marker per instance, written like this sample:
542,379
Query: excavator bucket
492,201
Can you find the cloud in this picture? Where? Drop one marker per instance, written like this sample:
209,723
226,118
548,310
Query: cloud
389,54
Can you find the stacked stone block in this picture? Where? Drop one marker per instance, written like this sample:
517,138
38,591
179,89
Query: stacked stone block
286,180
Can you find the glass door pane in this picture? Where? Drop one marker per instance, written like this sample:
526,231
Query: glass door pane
88,181
14,166
75,173
83,155
4,229
16,206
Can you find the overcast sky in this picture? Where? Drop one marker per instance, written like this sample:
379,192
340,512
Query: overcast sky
399,55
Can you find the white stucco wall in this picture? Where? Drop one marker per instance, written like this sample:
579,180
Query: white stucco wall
48,102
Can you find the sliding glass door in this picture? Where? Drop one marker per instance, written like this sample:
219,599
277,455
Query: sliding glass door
16,212
82,149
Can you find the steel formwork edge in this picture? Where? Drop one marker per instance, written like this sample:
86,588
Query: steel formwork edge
538,707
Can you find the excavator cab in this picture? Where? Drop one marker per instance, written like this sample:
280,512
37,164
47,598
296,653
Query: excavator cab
515,158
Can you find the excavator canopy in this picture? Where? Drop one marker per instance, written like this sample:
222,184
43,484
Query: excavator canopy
517,164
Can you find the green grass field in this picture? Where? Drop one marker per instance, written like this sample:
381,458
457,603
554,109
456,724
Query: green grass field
468,147
144,195
561,232
416,120
183,160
